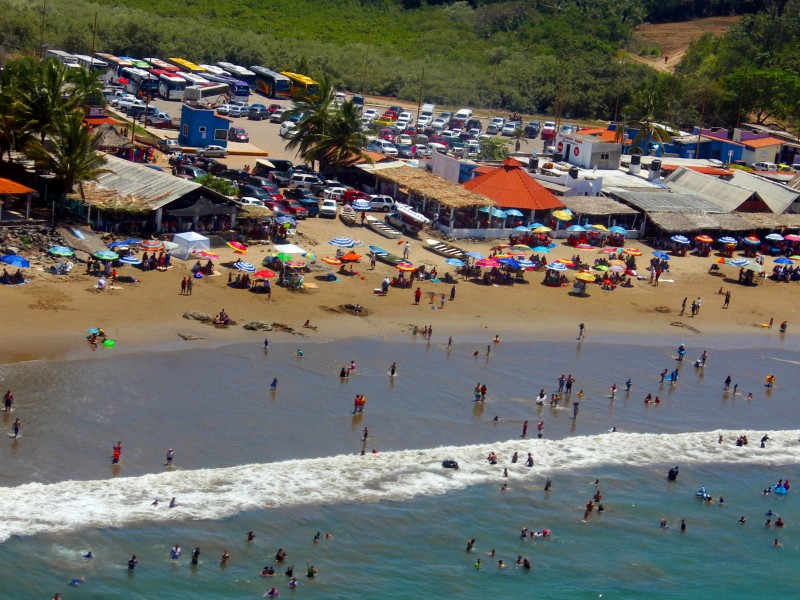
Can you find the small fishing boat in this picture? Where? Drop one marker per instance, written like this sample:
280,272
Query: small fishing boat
348,215
382,228
444,249
386,257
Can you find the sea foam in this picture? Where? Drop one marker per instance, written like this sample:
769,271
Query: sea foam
217,493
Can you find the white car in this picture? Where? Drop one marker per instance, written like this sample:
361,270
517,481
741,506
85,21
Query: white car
333,193
117,98
248,201
382,203
287,129
440,123
405,139
423,151
369,115
405,116
424,121
212,150
509,129
402,124
499,121
125,104
549,126
224,109
328,208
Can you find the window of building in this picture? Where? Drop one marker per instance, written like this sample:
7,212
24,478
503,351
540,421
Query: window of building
604,155
202,129
185,131
220,134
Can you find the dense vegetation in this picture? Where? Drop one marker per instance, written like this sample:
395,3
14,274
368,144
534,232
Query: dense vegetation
531,56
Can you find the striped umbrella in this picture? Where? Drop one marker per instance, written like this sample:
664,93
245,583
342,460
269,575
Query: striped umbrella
727,240
342,242
526,264
556,266
362,205
752,240
130,260
244,266
705,239
106,255
151,245
609,250
680,239
632,251
61,251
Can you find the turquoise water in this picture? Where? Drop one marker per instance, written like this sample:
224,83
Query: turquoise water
400,522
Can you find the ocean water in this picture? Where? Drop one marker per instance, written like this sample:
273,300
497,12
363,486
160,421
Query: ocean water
286,464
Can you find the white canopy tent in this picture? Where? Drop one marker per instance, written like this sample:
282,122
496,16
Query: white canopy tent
289,249
189,242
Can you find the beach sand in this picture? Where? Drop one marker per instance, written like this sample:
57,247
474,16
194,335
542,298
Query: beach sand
48,318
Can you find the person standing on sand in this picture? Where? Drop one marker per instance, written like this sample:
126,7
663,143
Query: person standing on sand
683,307
417,295
406,250
697,312
442,300
189,286
183,286
452,293
727,299
581,331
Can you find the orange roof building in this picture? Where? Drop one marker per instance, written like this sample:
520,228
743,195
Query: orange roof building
510,186
12,188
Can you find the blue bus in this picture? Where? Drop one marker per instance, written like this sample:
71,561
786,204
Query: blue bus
240,91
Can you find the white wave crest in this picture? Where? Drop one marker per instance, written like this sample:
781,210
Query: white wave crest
216,493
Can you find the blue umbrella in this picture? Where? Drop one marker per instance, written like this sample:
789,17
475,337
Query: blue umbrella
244,266
285,219
661,255
495,212
526,264
106,255
513,212
557,267
130,260
727,240
510,262
575,228
362,205
740,262
617,229
475,255
783,261
124,244
15,261
536,225
680,239
455,262
342,242
521,228
544,249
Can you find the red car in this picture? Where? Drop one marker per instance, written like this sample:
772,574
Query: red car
387,134
351,196
294,207
391,114
273,107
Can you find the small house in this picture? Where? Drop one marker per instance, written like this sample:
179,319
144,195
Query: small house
588,152
202,127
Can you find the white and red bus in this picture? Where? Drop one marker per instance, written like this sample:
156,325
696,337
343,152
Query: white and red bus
161,65
170,85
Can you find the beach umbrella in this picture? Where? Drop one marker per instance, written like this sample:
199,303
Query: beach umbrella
205,254
351,257
792,237
703,239
563,215
680,239
510,262
331,260
520,248
599,227
16,261
244,266
170,245
775,237
406,267
576,228
632,251
795,257
617,229
122,244
609,250
535,225
727,240
342,242
616,262
542,249
513,212
601,268
106,255
585,276
295,264
265,274
739,262
475,255
556,266
565,261
783,261
61,251
752,240
755,267
661,255
238,247
487,263
521,228
497,247
285,219
494,212
151,244
585,247
616,268
524,263
454,262
309,256
541,229
130,260
362,205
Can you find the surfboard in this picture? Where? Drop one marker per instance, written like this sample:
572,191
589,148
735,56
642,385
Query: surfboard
11,435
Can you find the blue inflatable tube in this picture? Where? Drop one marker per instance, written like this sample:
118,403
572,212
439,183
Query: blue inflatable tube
779,490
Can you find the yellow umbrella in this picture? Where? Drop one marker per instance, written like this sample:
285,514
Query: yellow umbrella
542,229
617,262
585,276
562,215
599,227
521,248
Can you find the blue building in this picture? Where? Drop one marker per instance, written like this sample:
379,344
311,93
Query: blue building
710,148
202,127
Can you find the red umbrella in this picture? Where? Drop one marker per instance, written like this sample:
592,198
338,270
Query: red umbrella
265,273
487,262
238,247
406,267
704,239
351,256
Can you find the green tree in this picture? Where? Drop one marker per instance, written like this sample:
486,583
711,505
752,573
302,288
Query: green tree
645,111
41,94
70,153
493,148
218,184
341,139
316,114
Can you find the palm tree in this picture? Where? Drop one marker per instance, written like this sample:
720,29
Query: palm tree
650,130
316,114
70,153
519,138
40,94
341,140
85,87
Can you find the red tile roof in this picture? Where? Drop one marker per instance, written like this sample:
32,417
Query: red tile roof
12,187
768,141
510,186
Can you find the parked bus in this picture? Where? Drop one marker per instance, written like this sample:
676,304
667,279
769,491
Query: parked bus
195,79
213,70
240,91
161,65
186,66
138,63
92,64
140,82
302,85
239,73
170,85
272,84
64,58
115,65
211,95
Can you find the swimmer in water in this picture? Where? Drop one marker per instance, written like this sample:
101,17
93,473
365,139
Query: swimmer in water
393,369
273,593
88,555
317,537
274,385
300,352
477,564
251,536
226,558
293,583
173,503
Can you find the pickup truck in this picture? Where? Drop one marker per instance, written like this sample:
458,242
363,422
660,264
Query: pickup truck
161,120
406,220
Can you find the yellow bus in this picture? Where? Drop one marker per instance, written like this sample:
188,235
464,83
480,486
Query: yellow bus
302,85
186,66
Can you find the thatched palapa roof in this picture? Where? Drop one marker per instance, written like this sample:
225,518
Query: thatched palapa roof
689,221
771,221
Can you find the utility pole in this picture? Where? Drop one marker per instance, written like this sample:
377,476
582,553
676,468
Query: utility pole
364,78
44,13
702,117
419,104
558,103
491,96
94,39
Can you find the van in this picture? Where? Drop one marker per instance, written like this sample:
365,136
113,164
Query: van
766,166
465,114
303,180
427,110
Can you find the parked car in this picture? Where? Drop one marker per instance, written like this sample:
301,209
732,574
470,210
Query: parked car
287,129
212,150
509,129
311,204
423,151
440,123
532,129
567,128
262,182
238,110
125,104
404,138
424,121
351,196
237,175
273,107
210,165
168,145
384,121
277,116
159,119
382,203
318,188
257,112
404,150
383,147
299,193
328,208
140,112
295,208
334,193
304,180
492,129
387,134
254,191
369,115
237,134
189,172
248,201
549,130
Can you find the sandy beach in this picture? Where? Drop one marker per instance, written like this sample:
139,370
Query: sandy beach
48,317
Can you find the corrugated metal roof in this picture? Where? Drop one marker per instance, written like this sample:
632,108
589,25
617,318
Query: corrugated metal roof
135,183
665,201
510,186
777,196
723,194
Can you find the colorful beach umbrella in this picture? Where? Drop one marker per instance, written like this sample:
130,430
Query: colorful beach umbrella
310,256
265,273
602,267
541,229
205,254
17,261
739,262
703,239
585,247
497,247
563,215
566,262
609,250
526,264
535,225
792,237
585,276
556,266
342,242
454,262
351,257
238,247
576,228
510,262
783,261
727,240
752,240
475,255
105,255
295,264
755,267
520,248
521,228
121,244
599,227
541,249
616,262
494,212
244,266
775,237
61,251
795,257
151,244
632,251
130,260
487,263
331,260
406,267
618,230
680,239
616,268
